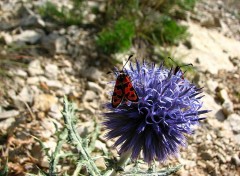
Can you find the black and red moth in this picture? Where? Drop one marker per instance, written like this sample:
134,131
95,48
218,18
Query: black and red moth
123,89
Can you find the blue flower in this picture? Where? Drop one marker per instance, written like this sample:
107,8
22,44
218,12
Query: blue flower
167,109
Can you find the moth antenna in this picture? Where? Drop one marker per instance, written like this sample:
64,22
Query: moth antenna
186,65
171,59
127,61
181,65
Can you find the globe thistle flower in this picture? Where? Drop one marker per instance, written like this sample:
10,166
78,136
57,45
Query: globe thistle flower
167,109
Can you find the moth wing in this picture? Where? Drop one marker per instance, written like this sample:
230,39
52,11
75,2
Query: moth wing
118,94
129,92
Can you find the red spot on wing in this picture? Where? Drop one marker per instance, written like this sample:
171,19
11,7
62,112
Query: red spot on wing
118,94
129,91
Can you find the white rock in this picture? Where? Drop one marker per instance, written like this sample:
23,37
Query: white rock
228,107
49,128
100,146
61,45
234,121
32,20
19,72
67,89
224,95
8,114
32,80
55,112
35,68
94,87
28,36
211,49
51,71
212,85
8,39
54,83
89,96
26,95
6,123
210,104
92,74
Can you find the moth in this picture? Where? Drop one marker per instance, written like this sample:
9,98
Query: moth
123,88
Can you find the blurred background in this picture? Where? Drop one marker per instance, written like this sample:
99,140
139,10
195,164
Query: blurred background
49,49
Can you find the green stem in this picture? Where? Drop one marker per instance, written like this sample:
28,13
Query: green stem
69,118
77,170
122,161
55,156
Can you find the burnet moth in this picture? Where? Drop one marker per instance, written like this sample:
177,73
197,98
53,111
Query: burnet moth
123,88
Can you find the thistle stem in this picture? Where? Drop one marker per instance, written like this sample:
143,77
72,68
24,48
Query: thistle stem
122,161
69,118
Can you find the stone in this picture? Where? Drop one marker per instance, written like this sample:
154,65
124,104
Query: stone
211,104
221,158
54,84
85,129
48,42
67,89
7,123
55,112
32,21
48,128
227,108
20,82
201,164
210,165
237,139
89,96
72,30
234,121
224,95
100,163
26,95
207,155
210,46
9,114
61,45
90,101
92,74
227,105
51,71
43,102
235,160
35,68
212,85
94,87
21,73
210,22
29,36
100,146
7,38
32,80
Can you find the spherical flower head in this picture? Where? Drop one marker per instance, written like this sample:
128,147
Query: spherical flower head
168,107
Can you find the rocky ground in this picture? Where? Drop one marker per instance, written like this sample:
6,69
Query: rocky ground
57,61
